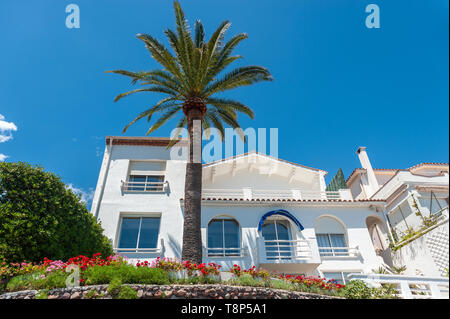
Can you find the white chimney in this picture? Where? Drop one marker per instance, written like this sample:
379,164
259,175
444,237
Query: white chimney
369,180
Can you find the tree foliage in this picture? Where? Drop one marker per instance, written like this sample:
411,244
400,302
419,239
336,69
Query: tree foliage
40,217
194,73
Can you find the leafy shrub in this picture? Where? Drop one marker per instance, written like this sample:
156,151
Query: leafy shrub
40,217
127,273
358,289
127,292
247,280
281,284
37,281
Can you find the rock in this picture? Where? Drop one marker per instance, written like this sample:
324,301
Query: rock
65,296
158,294
181,293
140,293
53,297
227,296
168,293
75,295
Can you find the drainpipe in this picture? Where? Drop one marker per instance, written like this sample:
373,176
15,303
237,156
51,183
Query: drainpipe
103,182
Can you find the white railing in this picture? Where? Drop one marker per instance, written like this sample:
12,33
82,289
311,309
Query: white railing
149,251
330,252
224,252
409,287
280,250
264,194
149,187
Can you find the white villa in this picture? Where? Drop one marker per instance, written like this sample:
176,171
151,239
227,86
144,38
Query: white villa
263,211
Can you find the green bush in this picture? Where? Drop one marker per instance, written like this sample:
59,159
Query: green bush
128,274
34,281
40,217
358,289
127,292
247,280
281,284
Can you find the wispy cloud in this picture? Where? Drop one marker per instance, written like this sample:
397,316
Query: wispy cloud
86,196
6,129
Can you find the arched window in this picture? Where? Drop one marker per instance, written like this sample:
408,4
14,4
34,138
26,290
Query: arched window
223,237
277,237
331,237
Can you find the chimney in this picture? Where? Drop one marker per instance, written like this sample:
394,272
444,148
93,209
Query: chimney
369,180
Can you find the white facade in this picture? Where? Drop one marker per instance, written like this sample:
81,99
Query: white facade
414,198
139,200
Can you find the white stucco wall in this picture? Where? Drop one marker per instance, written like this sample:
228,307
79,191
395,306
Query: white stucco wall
114,204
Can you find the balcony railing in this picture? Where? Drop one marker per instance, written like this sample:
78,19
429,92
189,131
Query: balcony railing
225,252
139,187
147,251
409,287
282,194
299,249
330,252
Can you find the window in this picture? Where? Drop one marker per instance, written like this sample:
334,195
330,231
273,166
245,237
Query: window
145,183
331,239
277,238
339,276
332,245
223,238
139,233
145,176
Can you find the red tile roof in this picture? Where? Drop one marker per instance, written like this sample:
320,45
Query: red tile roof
140,140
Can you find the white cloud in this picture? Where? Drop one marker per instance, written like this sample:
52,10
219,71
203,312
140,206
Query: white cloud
5,133
5,129
86,196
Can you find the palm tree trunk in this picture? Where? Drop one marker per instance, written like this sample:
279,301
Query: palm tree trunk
192,237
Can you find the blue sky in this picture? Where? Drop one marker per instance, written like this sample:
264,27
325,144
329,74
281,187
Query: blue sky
338,85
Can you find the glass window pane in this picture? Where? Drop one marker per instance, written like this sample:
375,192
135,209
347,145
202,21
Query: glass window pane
129,233
154,179
149,232
337,276
231,228
283,230
338,240
215,234
268,232
137,182
324,241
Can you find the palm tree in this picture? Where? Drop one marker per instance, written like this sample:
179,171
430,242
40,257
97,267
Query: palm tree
191,79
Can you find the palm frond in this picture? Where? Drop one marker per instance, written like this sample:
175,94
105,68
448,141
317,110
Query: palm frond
239,77
230,104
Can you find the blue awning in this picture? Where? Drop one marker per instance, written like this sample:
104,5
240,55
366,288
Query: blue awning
280,212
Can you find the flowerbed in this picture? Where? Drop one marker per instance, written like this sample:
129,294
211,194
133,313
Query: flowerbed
117,271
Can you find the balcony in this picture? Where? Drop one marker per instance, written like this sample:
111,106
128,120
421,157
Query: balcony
276,194
409,287
290,256
225,252
142,253
339,252
144,187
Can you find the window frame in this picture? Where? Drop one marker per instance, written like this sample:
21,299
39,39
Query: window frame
137,249
343,251
341,273
222,251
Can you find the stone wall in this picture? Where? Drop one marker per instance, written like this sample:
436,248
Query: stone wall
171,292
